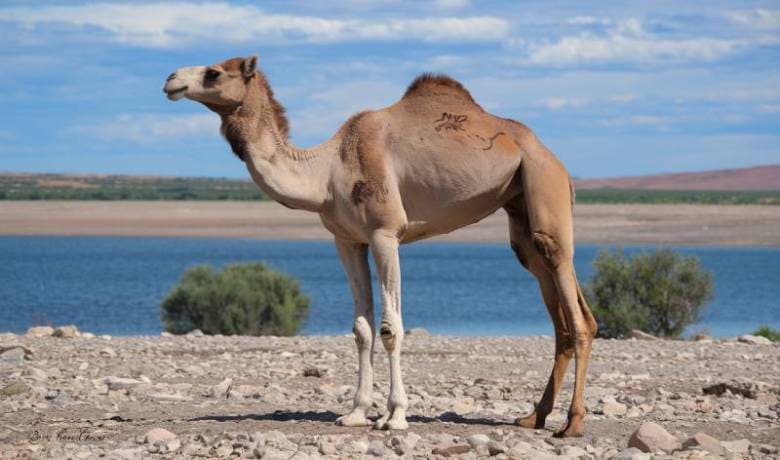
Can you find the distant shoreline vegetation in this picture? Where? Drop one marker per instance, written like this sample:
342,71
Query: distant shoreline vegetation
146,188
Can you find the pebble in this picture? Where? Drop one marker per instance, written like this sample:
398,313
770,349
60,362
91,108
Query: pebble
156,435
15,389
754,339
39,331
739,446
614,409
703,441
222,389
120,383
641,335
447,451
650,437
476,440
66,332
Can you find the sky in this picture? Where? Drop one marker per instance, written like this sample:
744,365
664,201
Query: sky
612,87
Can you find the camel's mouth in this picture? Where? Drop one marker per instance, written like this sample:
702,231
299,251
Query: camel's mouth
175,94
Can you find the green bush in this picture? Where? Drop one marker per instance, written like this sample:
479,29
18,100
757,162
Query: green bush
768,332
246,299
658,292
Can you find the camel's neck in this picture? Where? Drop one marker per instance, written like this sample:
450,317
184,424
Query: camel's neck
297,178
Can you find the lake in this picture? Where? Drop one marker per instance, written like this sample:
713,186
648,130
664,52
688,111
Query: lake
114,285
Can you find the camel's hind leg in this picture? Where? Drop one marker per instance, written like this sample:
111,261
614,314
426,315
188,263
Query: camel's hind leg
548,204
564,347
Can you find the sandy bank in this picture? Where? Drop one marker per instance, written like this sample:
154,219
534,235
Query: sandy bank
594,224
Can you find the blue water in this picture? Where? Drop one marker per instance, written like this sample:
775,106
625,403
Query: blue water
112,285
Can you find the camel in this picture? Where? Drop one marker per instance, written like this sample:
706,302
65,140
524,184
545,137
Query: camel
431,163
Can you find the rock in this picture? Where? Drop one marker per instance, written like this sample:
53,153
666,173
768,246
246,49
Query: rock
520,449
476,440
406,444
740,446
376,448
447,451
165,334
641,335
13,355
754,339
40,331
703,441
14,389
328,448
66,332
745,389
156,435
222,389
87,335
35,374
196,333
495,448
120,383
650,437
614,409
313,372
632,453
417,332
572,451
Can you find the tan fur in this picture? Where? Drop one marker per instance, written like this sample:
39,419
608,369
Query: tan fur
429,164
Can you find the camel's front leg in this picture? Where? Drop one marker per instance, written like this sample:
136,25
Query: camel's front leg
385,249
354,257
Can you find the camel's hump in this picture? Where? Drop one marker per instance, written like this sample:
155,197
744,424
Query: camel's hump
427,81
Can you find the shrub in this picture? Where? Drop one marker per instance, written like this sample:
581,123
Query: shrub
768,332
248,299
658,292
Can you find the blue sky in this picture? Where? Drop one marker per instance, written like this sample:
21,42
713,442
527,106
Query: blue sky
614,88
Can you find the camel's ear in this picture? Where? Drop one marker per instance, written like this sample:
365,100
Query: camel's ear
249,66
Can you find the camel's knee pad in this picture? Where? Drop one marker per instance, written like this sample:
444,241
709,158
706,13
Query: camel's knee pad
362,331
391,334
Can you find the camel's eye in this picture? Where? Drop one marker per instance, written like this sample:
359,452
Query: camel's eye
212,74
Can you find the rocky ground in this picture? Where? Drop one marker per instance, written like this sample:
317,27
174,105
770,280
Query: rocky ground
82,396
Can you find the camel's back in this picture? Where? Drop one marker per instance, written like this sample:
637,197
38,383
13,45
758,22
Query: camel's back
454,162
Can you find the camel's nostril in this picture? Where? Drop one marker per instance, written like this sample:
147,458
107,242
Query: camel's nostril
171,76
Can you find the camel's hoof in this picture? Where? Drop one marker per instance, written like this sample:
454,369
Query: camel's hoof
399,423
569,432
355,418
530,421
381,423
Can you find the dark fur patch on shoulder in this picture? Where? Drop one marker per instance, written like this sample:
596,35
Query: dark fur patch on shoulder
430,79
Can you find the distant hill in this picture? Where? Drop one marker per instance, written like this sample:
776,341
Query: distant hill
756,178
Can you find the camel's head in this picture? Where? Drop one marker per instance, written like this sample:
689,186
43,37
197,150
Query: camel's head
223,84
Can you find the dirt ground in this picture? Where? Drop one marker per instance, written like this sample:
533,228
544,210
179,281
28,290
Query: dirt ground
709,225
87,397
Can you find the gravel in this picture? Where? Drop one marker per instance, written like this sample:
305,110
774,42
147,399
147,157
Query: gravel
257,397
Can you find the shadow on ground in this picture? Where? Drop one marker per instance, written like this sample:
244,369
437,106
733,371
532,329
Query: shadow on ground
328,416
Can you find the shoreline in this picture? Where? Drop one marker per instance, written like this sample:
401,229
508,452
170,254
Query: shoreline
599,224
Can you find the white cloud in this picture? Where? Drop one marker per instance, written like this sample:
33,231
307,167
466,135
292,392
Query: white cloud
760,18
452,4
145,128
627,42
558,103
588,21
174,24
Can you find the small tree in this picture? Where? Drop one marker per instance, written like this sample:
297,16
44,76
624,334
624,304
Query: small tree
249,299
660,292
